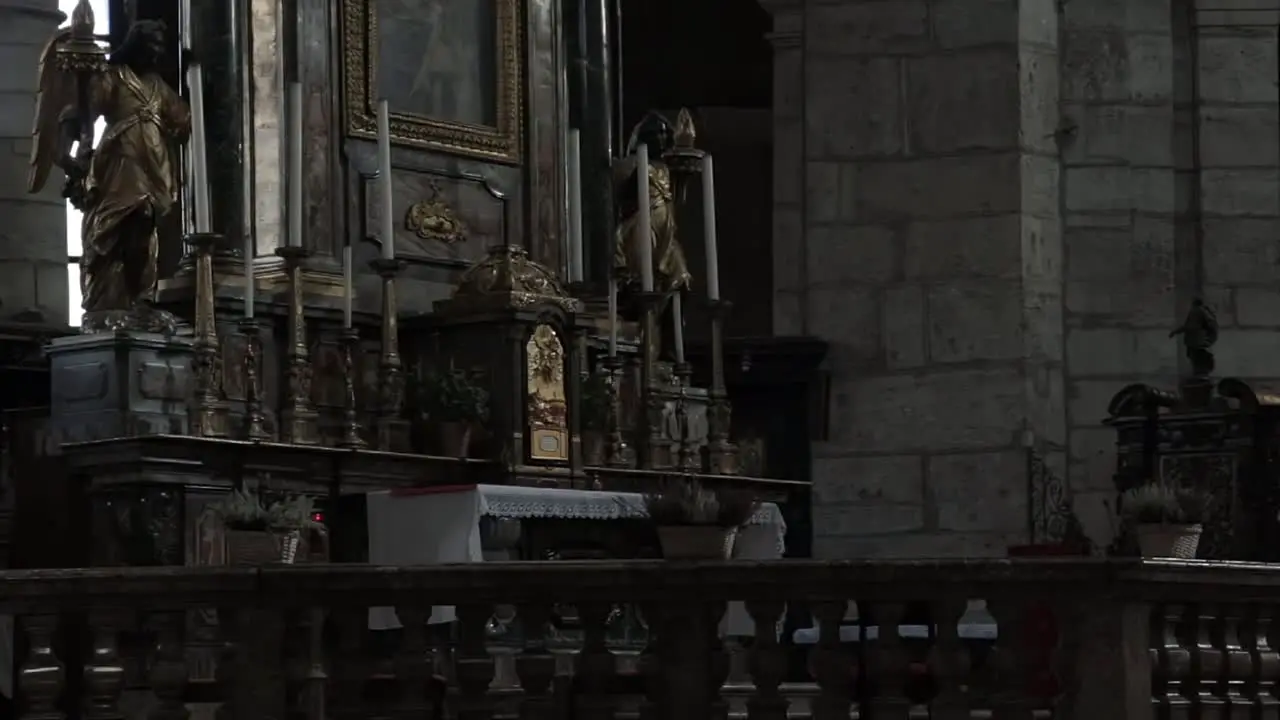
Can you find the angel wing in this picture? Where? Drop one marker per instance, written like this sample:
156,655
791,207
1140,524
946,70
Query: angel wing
55,93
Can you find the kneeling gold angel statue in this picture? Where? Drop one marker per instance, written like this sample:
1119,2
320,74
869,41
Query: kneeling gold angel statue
130,181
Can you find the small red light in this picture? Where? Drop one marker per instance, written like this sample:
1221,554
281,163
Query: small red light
317,517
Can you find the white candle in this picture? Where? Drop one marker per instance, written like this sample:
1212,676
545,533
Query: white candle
347,290
248,275
384,180
644,233
709,229
677,317
575,206
198,153
295,164
613,317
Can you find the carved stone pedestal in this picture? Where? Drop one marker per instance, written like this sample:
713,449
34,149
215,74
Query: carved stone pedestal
121,384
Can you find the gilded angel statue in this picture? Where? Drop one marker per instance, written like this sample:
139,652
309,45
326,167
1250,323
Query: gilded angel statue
130,181
671,274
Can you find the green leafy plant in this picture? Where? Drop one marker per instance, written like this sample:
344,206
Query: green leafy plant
244,509
1162,503
689,503
451,396
597,402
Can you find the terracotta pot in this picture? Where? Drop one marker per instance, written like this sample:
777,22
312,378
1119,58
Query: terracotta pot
593,448
696,542
1169,541
453,438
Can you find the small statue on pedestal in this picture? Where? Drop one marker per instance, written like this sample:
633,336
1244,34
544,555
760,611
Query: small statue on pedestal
130,181
1199,332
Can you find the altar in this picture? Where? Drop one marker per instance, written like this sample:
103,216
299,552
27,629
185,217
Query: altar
444,525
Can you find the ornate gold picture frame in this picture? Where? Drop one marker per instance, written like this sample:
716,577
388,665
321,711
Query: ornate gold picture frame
447,91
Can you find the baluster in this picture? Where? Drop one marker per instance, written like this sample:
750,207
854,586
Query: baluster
768,663
1266,663
888,666
104,673
652,663
832,666
316,679
535,665
42,676
350,673
949,662
1237,665
475,664
596,666
1171,660
229,667
168,676
1011,699
1207,662
717,660
413,663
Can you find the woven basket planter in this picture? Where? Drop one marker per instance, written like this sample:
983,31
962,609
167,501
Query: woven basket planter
1169,541
696,542
262,547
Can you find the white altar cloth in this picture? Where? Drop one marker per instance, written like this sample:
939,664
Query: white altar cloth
439,525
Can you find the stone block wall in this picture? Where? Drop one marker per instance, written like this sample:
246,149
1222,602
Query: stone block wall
995,211
33,228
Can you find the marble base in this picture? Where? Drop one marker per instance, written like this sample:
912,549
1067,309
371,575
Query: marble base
119,384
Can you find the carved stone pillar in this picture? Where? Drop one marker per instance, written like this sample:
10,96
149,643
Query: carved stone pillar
788,164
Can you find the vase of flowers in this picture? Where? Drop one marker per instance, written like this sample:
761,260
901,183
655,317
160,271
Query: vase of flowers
457,408
694,522
259,534
596,406
1165,518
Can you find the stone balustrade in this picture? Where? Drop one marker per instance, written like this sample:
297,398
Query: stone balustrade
1095,639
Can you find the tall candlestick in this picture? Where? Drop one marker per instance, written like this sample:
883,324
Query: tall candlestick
644,230
384,180
613,317
677,317
295,164
709,231
248,275
348,290
575,206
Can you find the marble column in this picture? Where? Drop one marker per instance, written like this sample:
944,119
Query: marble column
219,44
33,256
598,20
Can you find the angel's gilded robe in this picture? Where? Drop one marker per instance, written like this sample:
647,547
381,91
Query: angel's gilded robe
134,180
668,257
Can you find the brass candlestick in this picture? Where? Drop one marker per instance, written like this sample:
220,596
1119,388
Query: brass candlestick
391,427
299,421
350,416
254,420
208,412
723,452
618,452
689,457
656,452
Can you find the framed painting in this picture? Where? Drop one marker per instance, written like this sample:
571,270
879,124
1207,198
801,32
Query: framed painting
450,71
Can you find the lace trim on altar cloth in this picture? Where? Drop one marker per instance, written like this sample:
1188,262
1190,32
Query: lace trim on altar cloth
521,502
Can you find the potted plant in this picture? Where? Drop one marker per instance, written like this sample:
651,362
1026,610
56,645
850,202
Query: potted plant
257,534
596,406
1165,518
694,522
456,406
